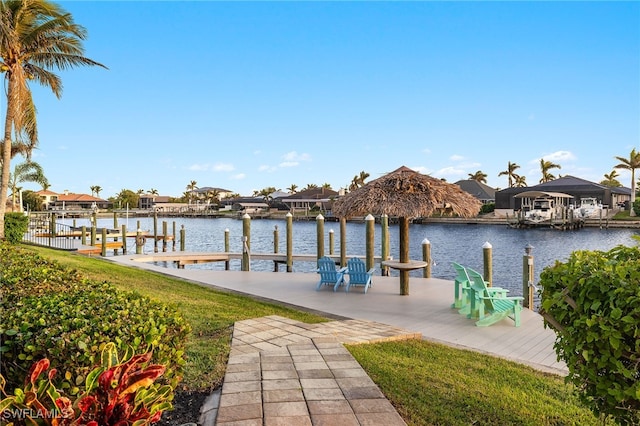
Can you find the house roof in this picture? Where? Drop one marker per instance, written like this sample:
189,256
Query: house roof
46,192
79,198
477,189
313,194
206,189
535,194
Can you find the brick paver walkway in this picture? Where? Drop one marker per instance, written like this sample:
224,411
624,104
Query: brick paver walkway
284,372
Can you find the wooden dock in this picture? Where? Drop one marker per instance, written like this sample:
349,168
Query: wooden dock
426,310
180,259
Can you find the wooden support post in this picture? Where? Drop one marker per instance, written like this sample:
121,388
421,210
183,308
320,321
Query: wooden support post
343,242
83,237
370,225
115,220
104,242
182,238
165,231
426,256
226,248
289,218
93,234
246,242
404,255
528,287
173,245
331,242
487,252
139,239
155,232
319,236
124,239
384,242
275,247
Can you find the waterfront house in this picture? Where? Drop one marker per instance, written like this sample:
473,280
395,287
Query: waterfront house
71,201
320,198
482,192
610,197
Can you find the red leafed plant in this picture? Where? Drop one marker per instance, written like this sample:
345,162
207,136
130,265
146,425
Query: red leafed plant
117,394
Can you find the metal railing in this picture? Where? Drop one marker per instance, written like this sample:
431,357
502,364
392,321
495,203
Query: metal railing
44,231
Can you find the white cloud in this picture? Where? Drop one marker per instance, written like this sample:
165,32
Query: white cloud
559,156
289,164
456,157
421,169
293,156
199,167
238,176
223,167
426,151
265,168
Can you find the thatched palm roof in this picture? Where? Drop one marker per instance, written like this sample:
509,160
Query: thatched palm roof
406,193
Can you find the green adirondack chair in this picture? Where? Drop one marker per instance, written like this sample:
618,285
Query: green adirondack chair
358,274
461,283
468,293
492,307
329,274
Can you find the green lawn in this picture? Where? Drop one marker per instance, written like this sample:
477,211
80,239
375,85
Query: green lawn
430,384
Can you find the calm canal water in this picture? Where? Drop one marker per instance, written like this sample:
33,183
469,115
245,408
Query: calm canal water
449,243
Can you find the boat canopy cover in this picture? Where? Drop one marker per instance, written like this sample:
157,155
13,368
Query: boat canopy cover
533,194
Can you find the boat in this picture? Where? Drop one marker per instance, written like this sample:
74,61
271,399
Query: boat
589,208
550,209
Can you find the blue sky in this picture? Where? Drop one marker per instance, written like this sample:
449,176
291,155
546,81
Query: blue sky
247,95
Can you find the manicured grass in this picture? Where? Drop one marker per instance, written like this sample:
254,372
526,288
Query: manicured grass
211,313
429,384
432,384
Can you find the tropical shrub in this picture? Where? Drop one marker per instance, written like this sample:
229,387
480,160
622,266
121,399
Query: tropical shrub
487,208
117,392
15,226
593,303
69,321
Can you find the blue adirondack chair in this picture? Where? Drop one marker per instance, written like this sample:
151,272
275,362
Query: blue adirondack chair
358,274
492,307
329,274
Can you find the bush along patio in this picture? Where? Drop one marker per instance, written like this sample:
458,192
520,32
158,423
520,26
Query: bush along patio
77,325
593,303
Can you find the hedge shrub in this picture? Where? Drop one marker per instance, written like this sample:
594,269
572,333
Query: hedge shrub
593,303
49,311
15,226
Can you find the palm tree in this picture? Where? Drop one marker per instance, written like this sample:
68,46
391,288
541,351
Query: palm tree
520,181
28,171
326,185
293,188
510,173
192,186
632,163
478,176
153,191
610,180
545,166
36,37
358,180
310,186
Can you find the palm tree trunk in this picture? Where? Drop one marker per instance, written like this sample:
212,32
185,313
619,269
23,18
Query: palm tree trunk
6,153
632,212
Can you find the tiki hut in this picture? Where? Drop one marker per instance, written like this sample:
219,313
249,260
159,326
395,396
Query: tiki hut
406,194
